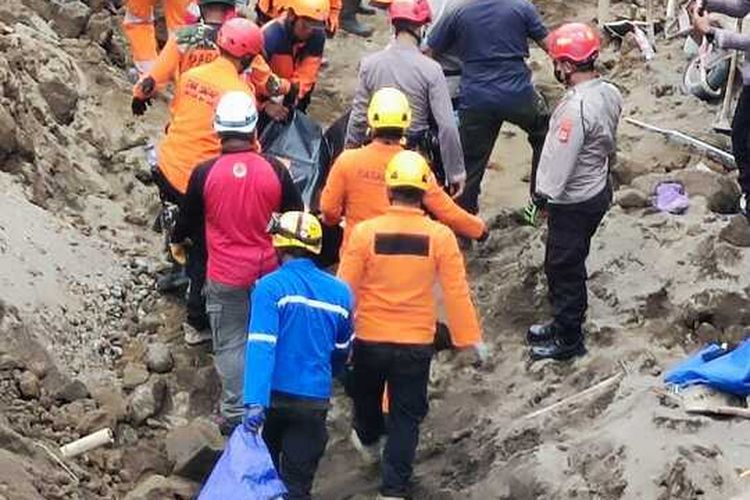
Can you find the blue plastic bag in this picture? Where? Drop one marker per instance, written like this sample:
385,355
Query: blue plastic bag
714,366
245,471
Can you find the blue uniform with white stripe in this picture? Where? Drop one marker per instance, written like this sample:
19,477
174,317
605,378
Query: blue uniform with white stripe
300,326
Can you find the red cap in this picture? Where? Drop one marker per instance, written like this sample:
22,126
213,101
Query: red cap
575,42
415,11
240,37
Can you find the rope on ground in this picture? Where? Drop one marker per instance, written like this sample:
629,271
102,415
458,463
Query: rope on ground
579,396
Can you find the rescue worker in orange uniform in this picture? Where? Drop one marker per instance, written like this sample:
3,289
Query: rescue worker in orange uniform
294,45
356,189
192,46
392,263
191,140
268,10
138,26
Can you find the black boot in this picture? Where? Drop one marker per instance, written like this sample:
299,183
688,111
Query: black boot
349,22
559,348
541,333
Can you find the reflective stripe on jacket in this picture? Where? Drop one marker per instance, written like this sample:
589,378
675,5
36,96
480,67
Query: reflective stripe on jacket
300,326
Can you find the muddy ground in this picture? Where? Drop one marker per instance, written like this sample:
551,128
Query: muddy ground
85,342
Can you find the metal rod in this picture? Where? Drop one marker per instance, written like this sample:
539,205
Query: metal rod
713,152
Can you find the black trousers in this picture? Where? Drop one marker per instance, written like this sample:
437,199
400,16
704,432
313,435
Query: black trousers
406,370
741,139
296,439
479,129
571,228
196,259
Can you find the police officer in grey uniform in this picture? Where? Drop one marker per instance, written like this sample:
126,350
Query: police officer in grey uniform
573,181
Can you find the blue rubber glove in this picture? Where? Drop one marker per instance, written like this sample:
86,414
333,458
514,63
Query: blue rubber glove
254,417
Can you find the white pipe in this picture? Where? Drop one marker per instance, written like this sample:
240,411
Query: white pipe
87,443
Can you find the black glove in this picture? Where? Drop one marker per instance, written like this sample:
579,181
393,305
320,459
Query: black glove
139,106
485,235
148,85
539,201
290,99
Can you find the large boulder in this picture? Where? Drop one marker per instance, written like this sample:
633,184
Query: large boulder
194,449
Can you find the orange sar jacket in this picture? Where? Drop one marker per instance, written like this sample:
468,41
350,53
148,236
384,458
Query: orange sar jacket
291,60
193,46
392,263
355,188
190,138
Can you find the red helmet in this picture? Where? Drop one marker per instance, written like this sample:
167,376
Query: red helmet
415,11
574,42
240,37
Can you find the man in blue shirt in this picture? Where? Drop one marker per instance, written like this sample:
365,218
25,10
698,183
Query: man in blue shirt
491,38
299,336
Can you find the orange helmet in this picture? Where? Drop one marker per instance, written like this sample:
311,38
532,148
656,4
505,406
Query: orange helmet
316,10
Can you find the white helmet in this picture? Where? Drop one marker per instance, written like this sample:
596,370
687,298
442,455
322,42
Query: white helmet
236,113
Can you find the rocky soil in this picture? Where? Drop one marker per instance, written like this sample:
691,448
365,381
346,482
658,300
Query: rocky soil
86,343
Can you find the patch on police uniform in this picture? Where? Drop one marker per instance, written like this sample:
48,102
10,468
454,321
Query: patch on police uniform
563,132
239,170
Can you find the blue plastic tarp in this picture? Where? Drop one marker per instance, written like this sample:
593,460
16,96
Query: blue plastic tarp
245,471
716,367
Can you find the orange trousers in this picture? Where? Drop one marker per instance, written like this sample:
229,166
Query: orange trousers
139,29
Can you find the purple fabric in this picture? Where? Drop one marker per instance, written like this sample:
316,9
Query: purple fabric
671,197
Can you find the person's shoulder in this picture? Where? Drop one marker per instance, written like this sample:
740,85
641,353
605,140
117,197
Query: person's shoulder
272,282
430,65
335,286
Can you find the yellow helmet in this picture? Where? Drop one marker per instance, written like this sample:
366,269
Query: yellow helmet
316,10
296,229
389,108
408,169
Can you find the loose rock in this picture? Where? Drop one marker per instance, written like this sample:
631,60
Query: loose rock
737,232
72,391
631,198
146,401
28,384
69,17
194,449
158,358
134,375
163,487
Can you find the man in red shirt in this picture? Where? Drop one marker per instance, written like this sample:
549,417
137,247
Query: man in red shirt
231,199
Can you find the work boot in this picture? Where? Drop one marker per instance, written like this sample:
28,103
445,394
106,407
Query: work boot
193,336
174,281
559,348
541,333
371,454
349,22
